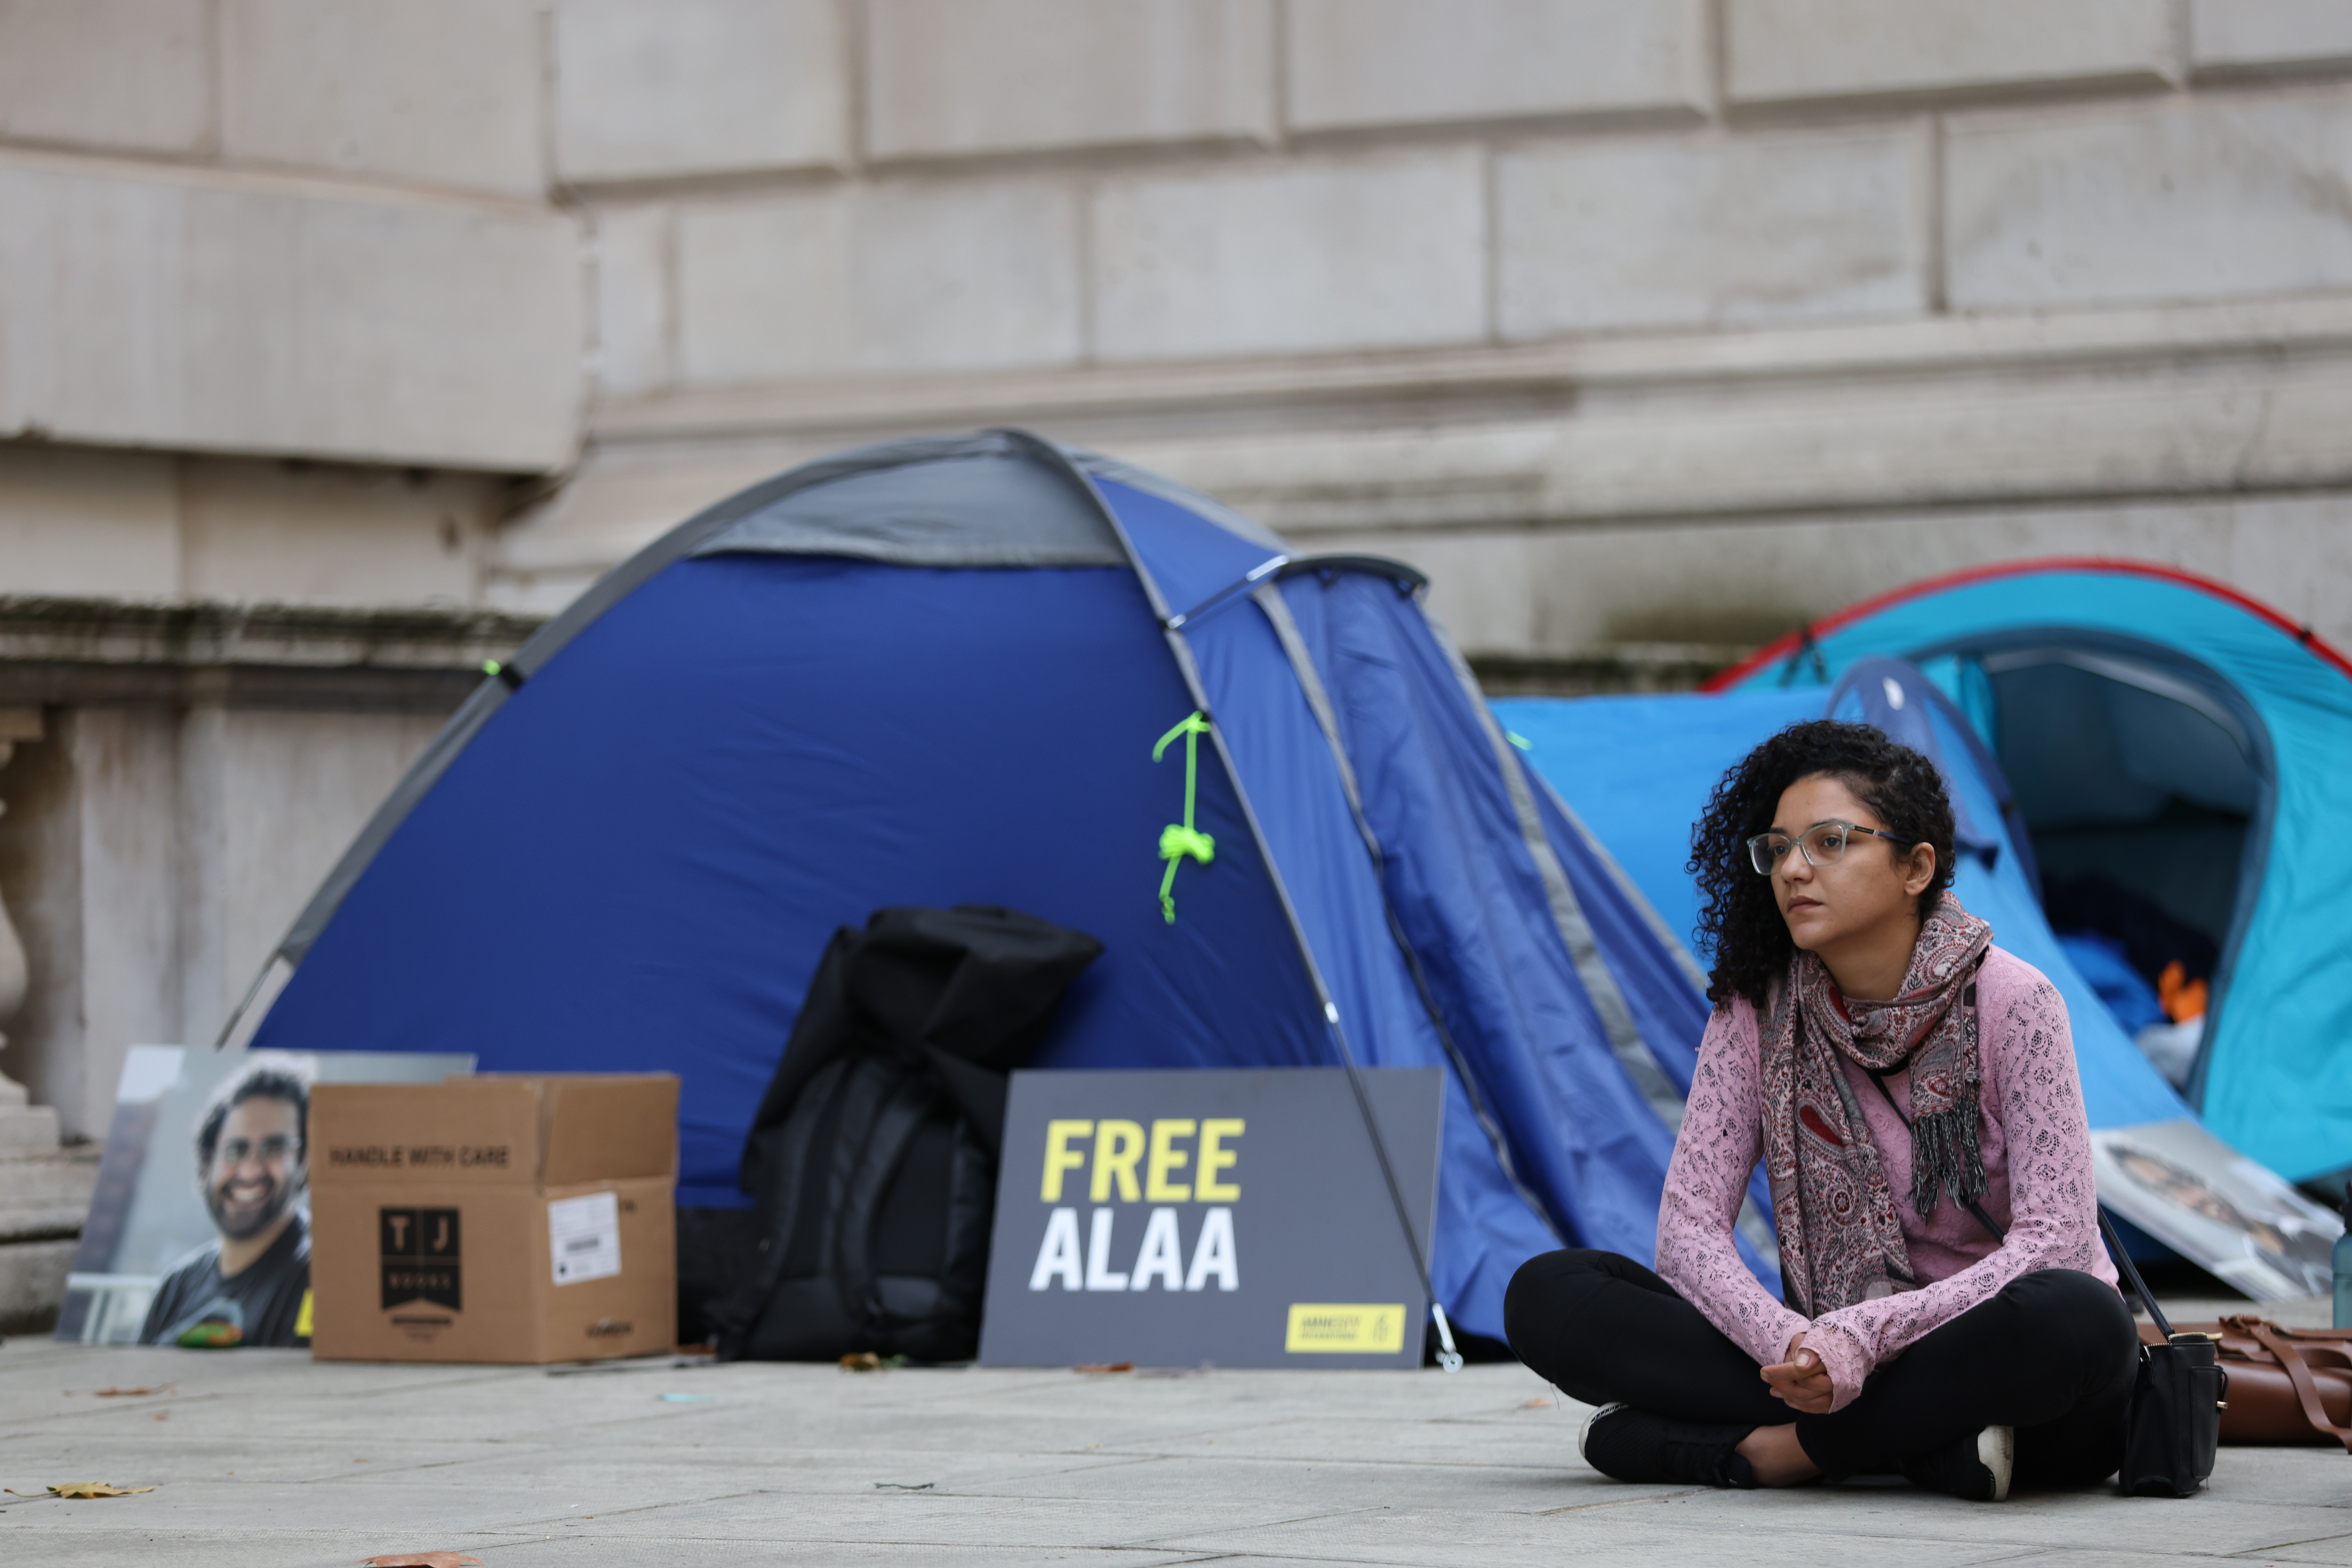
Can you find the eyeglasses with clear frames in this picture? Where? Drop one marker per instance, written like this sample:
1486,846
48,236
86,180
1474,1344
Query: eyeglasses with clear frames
1822,844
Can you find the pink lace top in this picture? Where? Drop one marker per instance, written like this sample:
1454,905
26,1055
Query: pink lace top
2037,1160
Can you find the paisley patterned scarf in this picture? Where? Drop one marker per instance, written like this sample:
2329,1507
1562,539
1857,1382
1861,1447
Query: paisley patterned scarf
1840,1239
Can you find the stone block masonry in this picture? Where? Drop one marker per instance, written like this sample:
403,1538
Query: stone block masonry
436,92
1486,284
2268,36
698,87
1783,50
895,277
147,306
957,79
1360,64
2230,197
1699,231
130,75
1319,256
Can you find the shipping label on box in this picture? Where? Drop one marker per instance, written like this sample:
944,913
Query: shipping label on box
584,1237
500,1219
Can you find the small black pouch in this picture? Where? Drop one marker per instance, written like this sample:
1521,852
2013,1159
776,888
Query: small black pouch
2174,1425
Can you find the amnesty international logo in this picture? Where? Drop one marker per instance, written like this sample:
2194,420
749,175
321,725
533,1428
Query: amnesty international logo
1349,1327
420,1256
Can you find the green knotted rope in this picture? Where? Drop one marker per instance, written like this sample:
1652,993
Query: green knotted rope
1178,839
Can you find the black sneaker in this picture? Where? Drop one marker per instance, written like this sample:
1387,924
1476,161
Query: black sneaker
1975,1468
1629,1445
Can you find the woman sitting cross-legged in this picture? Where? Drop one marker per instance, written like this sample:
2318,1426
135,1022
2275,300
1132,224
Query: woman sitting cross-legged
1950,1314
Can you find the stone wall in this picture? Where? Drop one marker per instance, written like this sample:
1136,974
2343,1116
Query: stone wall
1649,329
287,226
1641,323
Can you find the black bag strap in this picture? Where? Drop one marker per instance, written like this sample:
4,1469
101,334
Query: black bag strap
2139,1286
780,1157
865,1173
2106,1227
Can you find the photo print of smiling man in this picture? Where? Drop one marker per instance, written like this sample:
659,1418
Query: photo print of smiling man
246,1286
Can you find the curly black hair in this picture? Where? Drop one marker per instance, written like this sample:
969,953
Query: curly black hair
1738,917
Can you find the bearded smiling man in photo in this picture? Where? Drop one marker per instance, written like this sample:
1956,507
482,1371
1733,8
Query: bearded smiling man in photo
250,1167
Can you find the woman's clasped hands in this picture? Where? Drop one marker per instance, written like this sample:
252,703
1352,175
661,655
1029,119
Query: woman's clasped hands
1803,1381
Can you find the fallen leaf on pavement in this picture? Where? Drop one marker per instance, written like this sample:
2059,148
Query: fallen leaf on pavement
1106,1366
1536,1404
135,1393
418,1560
861,1361
82,1489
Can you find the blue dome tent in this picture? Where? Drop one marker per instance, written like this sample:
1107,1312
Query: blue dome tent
936,671
2159,731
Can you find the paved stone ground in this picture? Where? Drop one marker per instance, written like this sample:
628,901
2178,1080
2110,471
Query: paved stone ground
265,1457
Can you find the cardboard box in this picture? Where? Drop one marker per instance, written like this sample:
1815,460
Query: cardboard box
494,1219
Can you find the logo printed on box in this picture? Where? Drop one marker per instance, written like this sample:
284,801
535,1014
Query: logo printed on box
419,1247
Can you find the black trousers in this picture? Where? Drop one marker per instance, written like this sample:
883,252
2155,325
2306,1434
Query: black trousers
2053,1354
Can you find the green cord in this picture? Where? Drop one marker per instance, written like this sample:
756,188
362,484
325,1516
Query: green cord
1178,839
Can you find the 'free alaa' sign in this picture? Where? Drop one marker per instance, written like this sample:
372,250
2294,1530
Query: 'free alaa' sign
1228,1216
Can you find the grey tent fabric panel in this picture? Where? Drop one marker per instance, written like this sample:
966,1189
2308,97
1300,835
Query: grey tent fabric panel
689,536
985,508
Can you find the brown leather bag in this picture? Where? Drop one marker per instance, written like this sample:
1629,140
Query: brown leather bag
2286,1385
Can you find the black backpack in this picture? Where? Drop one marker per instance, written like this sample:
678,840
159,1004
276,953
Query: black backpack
872,1162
